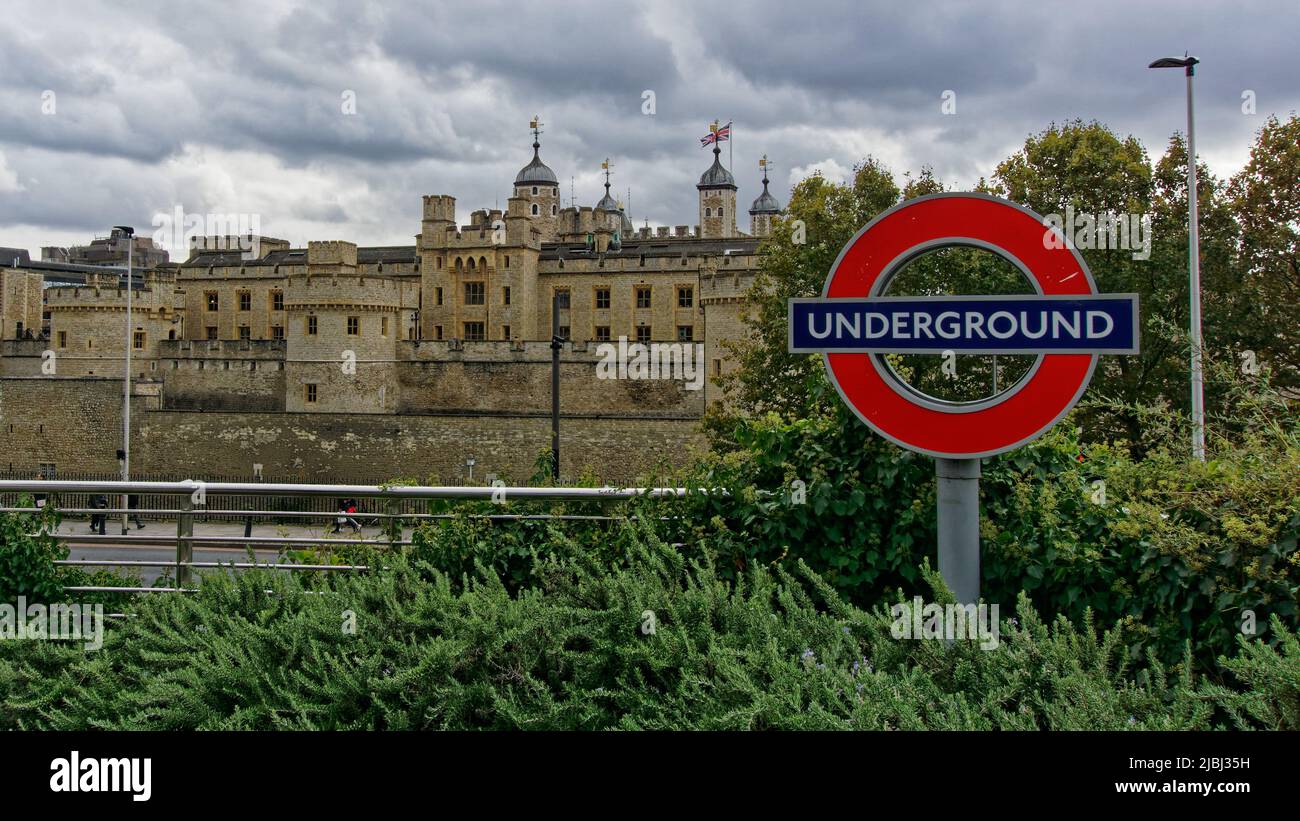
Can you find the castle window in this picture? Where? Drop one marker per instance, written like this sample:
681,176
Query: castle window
505,293
685,297
354,326
245,333
309,393
564,332
717,367
602,298
437,332
534,190
460,264
719,210
643,296
63,339
505,331
277,332
245,301
643,333
437,296
214,300
562,298
602,333
536,210
471,264
475,293
212,332
708,212
507,260
474,332
685,333
555,209
311,325
383,326
277,300
439,263
137,340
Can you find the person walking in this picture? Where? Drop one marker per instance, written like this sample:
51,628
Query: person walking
99,521
133,503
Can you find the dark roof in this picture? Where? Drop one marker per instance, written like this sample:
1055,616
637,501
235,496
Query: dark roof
536,172
654,247
716,176
7,256
297,256
765,203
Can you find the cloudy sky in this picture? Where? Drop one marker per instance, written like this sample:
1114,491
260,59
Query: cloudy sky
113,112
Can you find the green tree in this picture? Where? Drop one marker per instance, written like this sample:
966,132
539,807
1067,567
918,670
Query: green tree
822,216
1265,202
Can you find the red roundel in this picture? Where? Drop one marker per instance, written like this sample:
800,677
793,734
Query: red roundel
956,430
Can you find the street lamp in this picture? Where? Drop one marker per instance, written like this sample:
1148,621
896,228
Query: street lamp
129,233
1188,64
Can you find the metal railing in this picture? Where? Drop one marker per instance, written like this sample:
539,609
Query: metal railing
397,503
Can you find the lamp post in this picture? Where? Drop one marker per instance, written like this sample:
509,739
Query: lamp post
129,233
1188,64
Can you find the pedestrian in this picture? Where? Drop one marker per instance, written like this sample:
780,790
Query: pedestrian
133,503
352,512
40,497
342,517
99,521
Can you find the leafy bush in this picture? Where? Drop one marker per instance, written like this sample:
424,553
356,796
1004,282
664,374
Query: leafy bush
1183,550
769,649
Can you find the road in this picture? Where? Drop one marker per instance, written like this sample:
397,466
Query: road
130,547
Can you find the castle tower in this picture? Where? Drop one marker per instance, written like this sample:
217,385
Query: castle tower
764,208
341,335
537,185
717,200
608,212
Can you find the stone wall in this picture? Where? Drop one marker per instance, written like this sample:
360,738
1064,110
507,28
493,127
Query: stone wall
75,423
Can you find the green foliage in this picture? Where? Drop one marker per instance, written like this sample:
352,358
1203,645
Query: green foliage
27,556
1181,550
768,649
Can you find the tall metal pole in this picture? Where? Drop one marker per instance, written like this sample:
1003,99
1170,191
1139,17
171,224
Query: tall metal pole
1194,271
126,384
556,342
957,487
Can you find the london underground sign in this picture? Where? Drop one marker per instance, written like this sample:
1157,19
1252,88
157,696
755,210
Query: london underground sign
1066,323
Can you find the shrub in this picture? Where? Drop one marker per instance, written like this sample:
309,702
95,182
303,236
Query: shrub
769,648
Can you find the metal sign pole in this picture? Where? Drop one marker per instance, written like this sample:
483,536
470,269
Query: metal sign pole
957,488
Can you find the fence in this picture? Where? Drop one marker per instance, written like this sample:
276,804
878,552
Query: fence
321,507
391,505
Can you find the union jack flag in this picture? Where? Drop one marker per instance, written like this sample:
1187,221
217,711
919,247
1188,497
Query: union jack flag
716,135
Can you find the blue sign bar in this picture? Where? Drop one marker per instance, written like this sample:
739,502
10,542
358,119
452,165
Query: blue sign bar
1097,324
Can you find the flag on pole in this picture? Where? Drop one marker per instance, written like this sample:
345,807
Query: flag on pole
716,135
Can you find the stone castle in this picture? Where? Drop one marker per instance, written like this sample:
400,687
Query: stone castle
335,360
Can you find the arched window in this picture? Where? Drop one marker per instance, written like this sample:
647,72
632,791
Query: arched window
534,190
708,212
482,262
555,209
719,210
471,263
535,211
